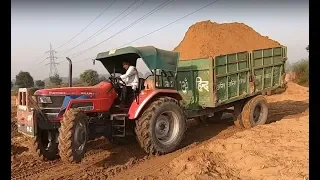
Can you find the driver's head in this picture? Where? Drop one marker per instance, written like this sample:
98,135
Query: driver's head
125,65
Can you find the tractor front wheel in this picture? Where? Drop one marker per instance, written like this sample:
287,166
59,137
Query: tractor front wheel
73,136
43,145
161,127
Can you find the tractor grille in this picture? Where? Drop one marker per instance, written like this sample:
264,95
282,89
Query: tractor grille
51,110
56,102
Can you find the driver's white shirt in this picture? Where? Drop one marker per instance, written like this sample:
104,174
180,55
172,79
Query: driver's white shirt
131,77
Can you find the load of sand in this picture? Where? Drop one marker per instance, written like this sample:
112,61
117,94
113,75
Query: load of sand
206,38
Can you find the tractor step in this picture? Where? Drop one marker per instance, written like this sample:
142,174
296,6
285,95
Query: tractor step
118,124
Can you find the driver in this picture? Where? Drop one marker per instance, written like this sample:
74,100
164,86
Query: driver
131,78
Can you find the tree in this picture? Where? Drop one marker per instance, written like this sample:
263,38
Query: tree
56,80
90,77
307,48
40,84
24,80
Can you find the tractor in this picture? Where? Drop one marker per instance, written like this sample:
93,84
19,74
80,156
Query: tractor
61,121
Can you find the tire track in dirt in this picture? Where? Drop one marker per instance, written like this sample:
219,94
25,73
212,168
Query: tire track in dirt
104,161
193,139
51,169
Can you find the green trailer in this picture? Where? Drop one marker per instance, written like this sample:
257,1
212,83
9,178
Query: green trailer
213,84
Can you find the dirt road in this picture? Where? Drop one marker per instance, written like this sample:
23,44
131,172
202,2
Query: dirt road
217,151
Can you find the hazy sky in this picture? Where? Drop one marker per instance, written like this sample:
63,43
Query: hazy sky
36,24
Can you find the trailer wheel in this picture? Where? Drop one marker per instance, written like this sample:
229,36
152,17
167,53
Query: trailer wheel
255,112
73,136
38,146
161,127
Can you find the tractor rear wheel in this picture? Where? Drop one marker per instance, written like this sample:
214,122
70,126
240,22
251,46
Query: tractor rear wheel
40,147
73,136
254,112
161,127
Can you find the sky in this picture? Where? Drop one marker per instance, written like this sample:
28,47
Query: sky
36,24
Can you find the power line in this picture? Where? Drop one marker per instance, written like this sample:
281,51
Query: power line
126,28
162,26
40,67
169,23
98,32
88,24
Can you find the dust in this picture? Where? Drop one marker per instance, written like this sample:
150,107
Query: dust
208,38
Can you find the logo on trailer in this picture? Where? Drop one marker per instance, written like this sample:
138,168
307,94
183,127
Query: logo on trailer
184,86
202,84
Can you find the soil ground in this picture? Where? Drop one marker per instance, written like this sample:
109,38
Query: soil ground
278,150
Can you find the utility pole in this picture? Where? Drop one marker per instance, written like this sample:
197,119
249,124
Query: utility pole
53,68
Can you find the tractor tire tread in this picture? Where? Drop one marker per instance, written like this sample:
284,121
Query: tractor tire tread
143,125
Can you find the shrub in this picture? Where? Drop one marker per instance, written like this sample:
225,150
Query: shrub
89,77
301,70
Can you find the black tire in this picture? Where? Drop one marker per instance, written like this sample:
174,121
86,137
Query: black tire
38,146
254,112
74,128
146,126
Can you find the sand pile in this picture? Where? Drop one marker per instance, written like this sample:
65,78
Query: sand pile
208,38
294,92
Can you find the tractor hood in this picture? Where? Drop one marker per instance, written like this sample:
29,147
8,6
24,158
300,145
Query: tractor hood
91,91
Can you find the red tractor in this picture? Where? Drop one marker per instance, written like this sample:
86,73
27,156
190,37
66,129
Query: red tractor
61,121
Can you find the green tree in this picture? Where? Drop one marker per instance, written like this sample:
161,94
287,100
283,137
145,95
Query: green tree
90,77
24,80
40,84
55,80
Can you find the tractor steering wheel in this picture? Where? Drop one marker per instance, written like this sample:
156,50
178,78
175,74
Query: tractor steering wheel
117,81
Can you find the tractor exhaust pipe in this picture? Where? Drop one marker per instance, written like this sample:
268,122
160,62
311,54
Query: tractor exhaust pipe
70,71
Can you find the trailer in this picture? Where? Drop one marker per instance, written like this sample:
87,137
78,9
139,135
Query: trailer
211,85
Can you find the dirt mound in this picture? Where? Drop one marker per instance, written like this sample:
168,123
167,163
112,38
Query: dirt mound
208,38
293,92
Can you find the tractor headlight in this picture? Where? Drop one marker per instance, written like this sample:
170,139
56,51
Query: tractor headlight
44,99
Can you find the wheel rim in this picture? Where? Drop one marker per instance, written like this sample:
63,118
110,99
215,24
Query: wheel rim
80,137
257,113
167,127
